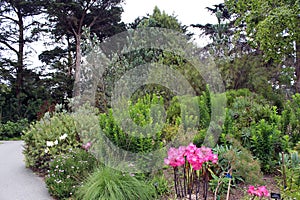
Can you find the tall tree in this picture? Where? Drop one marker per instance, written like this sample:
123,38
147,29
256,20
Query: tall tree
220,32
273,27
138,57
102,17
241,65
17,23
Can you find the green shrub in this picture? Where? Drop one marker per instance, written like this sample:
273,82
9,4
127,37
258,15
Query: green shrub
13,129
258,126
244,167
68,171
290,179
182,110
47,138
232,95
161,184
134,134
266,143
108,184
291,119
199,138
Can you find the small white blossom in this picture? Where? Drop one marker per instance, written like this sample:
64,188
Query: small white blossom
50,144
64,136
56,142
46,150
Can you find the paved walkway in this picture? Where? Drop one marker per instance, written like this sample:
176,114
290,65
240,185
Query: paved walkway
16,181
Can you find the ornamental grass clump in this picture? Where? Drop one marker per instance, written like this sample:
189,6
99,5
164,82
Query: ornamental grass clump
195,163
109,184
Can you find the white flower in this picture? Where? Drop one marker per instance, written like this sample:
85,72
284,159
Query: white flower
46,150
50,144
64,136
56,142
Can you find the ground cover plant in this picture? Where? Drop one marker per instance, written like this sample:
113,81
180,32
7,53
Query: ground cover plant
67,171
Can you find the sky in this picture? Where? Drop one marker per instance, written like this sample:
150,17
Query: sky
187,12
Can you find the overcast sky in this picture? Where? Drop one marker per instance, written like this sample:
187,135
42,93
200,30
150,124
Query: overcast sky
187,11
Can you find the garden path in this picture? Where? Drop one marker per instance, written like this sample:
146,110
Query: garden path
16,181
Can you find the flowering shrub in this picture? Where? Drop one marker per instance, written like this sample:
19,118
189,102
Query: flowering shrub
195,162
49,137
260,191
56,134
67,171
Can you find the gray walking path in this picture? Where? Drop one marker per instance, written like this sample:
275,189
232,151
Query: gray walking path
16,181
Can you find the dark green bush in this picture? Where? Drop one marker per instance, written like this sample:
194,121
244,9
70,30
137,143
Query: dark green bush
258,126
108,184
13,129
232,95
182,110
266,143
68,171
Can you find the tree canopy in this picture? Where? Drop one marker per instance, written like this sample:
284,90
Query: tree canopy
273,27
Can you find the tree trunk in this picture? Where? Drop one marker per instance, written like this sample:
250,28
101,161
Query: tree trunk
77,84
297,68
20,62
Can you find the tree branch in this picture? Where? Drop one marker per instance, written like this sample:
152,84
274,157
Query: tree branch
9,46
10,18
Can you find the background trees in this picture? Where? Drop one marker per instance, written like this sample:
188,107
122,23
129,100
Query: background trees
272,27
17,31
27,90
67,18
242,64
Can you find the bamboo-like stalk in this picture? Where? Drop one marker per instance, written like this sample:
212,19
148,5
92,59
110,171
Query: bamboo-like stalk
228,190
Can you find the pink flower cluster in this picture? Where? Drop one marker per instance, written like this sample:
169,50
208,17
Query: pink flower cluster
260,191
194,155
87,146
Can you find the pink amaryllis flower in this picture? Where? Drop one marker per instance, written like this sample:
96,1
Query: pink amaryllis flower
251,189
192,154
261,191
87,146
175,157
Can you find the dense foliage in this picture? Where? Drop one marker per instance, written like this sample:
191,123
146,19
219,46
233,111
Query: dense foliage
13,129
67,171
